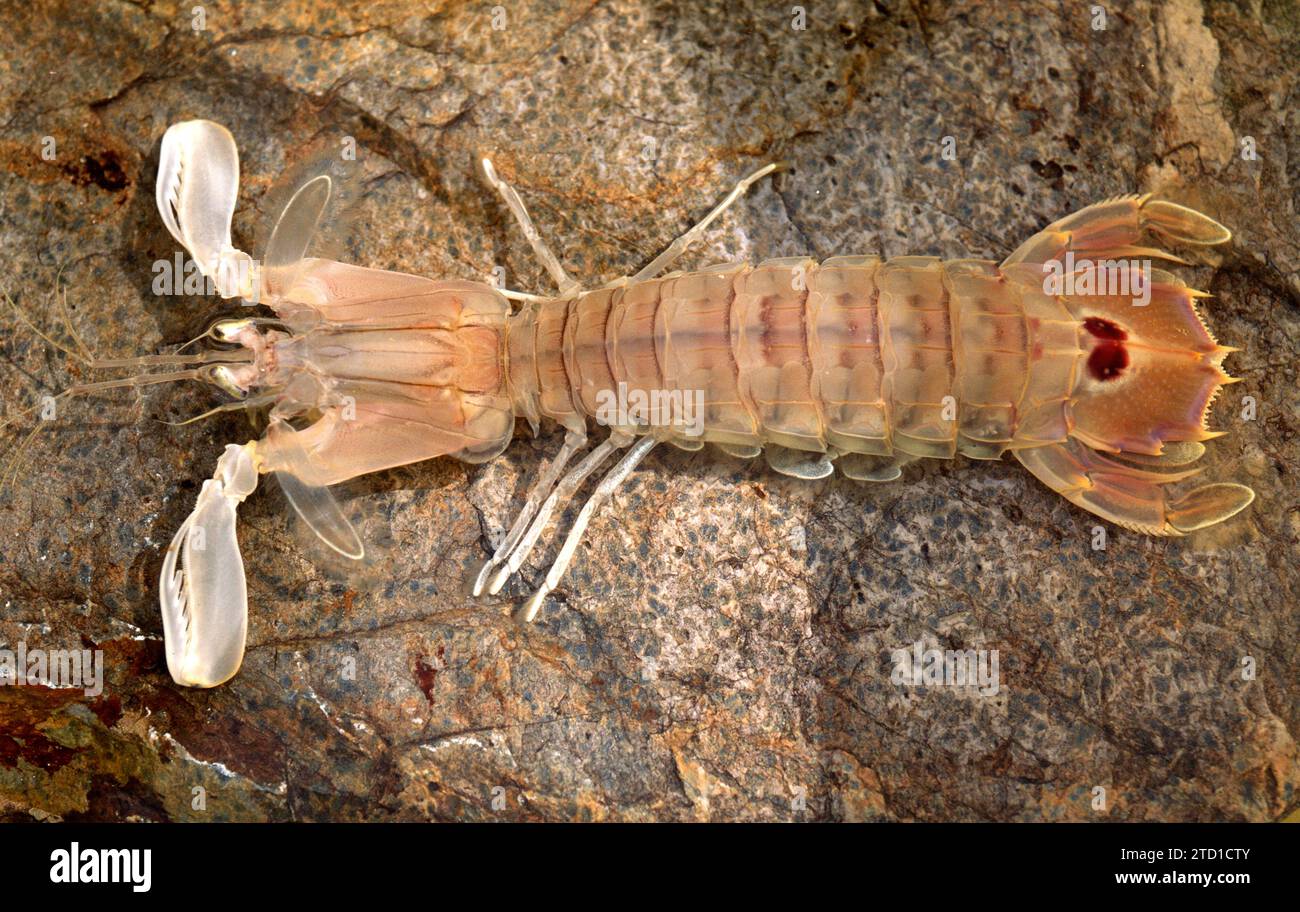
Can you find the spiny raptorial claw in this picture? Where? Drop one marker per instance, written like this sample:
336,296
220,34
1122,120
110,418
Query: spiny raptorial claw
205,602
198,181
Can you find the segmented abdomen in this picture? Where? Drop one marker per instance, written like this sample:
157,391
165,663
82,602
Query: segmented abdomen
873,362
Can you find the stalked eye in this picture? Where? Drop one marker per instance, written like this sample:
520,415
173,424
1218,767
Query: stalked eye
226,379
1109,356
229,330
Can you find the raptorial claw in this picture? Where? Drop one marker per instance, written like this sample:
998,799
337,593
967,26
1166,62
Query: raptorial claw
198,182
205,601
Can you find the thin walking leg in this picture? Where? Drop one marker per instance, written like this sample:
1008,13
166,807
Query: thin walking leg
678,247
573,441
608,485
516,207
560,496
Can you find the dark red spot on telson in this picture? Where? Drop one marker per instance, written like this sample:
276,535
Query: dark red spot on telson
1107,360
1109,357
1104,329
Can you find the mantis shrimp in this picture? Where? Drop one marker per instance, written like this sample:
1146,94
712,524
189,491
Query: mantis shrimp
856,362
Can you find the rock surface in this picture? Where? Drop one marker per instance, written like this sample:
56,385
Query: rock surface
721,647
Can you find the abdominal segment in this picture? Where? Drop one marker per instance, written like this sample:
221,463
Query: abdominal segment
883,361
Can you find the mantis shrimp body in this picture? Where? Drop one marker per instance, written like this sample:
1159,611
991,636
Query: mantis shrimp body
857,363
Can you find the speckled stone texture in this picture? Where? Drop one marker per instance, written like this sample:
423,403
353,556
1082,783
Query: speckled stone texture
721,647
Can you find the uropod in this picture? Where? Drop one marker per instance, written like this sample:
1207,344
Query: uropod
1095,371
